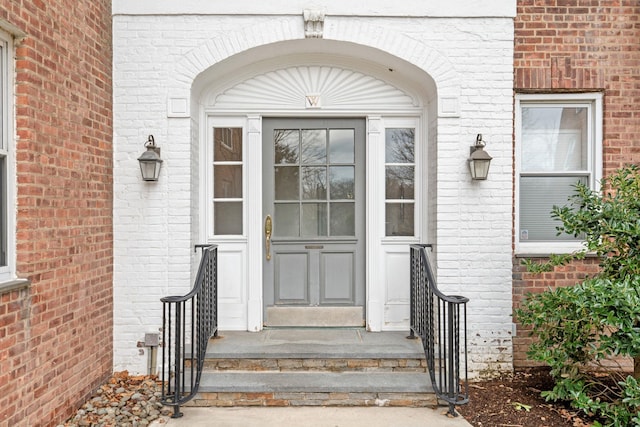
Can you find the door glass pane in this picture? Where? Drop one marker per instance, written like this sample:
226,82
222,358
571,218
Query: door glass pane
314,219
399,219
554,138
287,146
286,220
309,179
399,182
342,181
341,146
286,182
399,145
314,146
227,144
227,218
314,183
227,181
343,219
538,195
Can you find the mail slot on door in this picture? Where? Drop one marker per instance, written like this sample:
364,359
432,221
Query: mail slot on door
314,247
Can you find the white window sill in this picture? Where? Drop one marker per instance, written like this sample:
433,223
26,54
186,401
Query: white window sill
544,249
13,285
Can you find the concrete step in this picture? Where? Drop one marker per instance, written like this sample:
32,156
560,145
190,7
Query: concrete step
286,364
314,389
314,367
332,350
326,343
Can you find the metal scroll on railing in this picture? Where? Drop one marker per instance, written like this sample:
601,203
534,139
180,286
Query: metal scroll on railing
441,322
189,322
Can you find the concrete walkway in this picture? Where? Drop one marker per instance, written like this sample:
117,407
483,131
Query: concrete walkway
313,417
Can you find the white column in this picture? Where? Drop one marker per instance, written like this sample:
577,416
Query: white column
374,222
254,222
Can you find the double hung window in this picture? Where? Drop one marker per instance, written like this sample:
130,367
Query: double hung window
7,174
558,143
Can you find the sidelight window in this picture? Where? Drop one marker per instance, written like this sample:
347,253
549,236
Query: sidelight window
400,172
227,180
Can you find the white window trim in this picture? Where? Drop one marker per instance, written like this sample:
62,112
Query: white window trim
8,272
593,98
207,174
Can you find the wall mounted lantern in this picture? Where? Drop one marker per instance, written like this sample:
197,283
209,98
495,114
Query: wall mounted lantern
150,161
479,160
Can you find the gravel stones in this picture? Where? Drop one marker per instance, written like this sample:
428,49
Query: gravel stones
124,401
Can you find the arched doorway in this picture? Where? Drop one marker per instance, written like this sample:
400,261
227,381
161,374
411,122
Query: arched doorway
244,100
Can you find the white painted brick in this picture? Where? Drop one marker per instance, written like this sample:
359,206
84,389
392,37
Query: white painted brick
155,225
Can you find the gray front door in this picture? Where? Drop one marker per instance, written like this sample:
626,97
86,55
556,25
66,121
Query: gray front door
313,177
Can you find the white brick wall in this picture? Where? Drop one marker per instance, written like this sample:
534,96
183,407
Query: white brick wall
157,57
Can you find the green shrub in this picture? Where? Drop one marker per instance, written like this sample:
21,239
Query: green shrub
579,327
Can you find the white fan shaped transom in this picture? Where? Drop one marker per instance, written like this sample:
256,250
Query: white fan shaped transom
337,88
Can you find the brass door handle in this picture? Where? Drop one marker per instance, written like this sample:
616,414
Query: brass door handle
268,227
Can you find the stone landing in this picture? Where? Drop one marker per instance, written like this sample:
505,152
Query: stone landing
315,367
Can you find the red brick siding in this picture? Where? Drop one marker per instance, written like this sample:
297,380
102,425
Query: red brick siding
525,283
56,335
580,45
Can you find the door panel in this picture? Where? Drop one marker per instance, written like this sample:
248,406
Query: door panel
313,178
291,277
337,274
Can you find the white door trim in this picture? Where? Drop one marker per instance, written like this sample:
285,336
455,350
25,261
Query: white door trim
377,276
234,102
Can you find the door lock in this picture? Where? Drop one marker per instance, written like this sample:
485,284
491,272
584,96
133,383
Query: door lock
268,227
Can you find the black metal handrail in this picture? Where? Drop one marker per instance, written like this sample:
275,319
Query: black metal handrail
439,320
189,322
